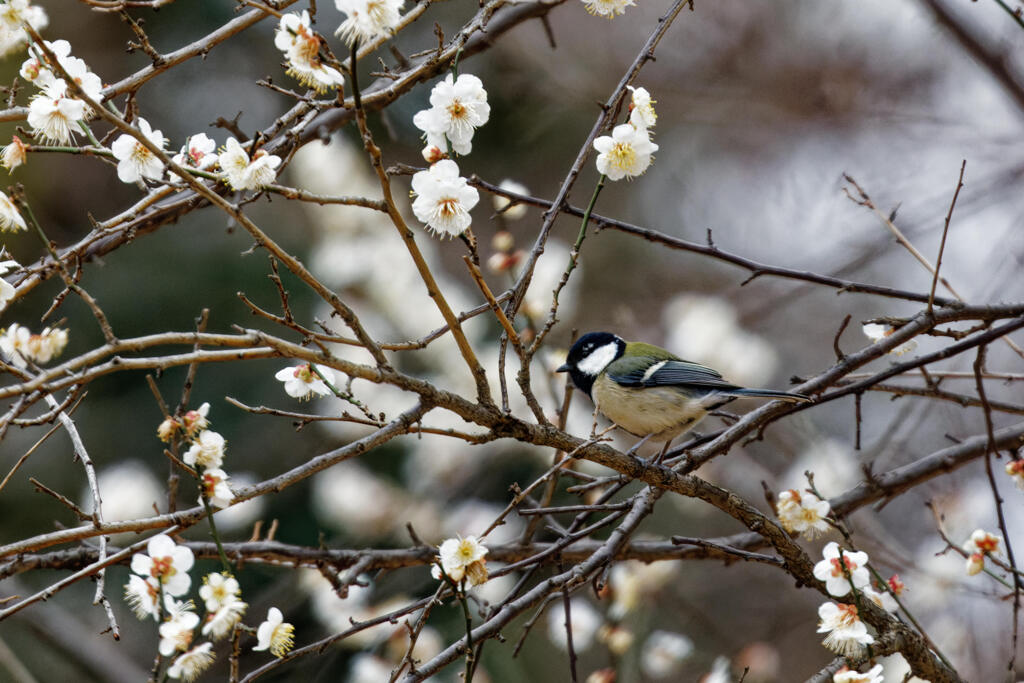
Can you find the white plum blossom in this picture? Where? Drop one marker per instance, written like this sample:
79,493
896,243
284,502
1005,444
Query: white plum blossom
207,450
188,666
641,108
516,211
302,382
876,332
443,198
608,8
584,623
220,623
54,114
275,634
14,154
36,71
626,153
847,634
1014,467
218,590
664,653
198,152
462,558
135,161
10,218
13,14
845,675
368,19
243,173
7,290
143,596
19,345
176,632
978,546
838,574
216,488
167,563
458,106
802,513
300,44
883,599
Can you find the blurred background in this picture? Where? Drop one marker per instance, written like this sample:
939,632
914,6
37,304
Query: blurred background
762,109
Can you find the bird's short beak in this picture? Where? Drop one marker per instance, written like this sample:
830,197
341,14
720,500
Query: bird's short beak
564,367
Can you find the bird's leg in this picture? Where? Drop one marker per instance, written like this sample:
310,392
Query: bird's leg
632,451
664,450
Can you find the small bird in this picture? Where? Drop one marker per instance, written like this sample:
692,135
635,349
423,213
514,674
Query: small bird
647,390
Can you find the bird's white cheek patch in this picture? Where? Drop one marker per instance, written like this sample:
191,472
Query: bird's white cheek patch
598,359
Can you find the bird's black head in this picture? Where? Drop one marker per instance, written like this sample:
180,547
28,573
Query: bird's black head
589,356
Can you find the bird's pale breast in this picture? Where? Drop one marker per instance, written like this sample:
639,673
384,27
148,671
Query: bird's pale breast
661,411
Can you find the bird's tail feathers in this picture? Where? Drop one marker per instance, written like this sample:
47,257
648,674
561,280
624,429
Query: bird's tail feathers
769,393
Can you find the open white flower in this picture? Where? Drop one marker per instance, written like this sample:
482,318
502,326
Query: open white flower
218,590
220,623
10,217
368,19
188,666
802,513
443,198
302,382
136,161
215,487
641,108
243,173
462,558
35,70
143,596
198,152
664,653
847,634
167,562
457,108
1014,467
13,14
14,154
54,115
626,153
207,450
176,632
300,44
883,599
275,634
607,8
841,568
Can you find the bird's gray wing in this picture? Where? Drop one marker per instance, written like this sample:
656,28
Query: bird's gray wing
642,373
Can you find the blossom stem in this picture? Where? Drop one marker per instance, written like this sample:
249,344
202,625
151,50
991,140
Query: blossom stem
470,658
89,134
575,253
213,529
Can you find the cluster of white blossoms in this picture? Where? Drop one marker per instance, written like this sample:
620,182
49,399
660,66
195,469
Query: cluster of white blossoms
19,346
980,545
802,513
368,19
458,106
161,576
303,382
300,44
844,571
14,14
461,558
55,114
206,453
626,153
